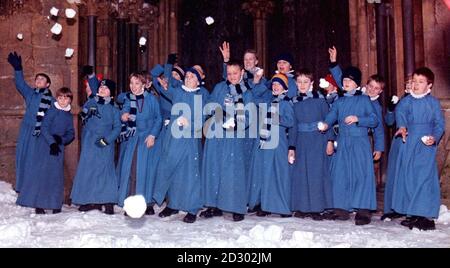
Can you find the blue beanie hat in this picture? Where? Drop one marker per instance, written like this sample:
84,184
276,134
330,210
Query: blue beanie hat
286,57
353,73
194,71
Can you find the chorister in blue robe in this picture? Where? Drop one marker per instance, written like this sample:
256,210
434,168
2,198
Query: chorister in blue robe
311,183
416,190
270,184
96,181
224,170
34,99
352,174
45,188
179,169
134,148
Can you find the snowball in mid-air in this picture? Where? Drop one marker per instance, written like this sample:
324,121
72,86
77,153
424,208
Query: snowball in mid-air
135,206
70,13
209,20
56,29
69,52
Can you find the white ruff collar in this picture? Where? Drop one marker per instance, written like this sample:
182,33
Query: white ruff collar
189,89
68,107
420,96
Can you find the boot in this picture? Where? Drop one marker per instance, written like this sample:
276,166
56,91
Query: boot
409,221
56,211
317,216
109,209
261,213
149,210
189,218
211,212
39,211
255,209
301,215
341,215
363,217
424,224
167,212
238,217
286,215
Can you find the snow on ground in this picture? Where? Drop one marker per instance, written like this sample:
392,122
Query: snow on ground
20,227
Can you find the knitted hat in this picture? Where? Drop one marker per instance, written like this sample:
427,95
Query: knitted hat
179,71
329,79
353,73
286,57
282,79
194,71
111,85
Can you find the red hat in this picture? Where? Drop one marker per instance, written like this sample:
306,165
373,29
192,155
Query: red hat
329,78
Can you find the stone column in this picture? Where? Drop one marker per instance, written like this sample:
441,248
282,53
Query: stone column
408,36
260,10
147,19
92,32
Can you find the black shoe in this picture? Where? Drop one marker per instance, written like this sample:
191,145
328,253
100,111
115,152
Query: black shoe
149,210
261,213
317,216
56,211
211,212
341,215
302,215
89,207
109,209
391,215
167,212
238,217
39,211
255,209
286,215
424,224
363,217
409,221
189,218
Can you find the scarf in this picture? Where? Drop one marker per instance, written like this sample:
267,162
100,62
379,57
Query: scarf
129,128
44,105
236,97
92,110
265,131
308,95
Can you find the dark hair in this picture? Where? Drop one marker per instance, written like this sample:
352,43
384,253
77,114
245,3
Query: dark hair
235,63
45,76
64,91
306,72
425,72
377,78
251,51
140,76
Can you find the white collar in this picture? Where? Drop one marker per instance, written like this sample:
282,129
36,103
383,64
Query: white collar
190,89
420,96
61,108
374,98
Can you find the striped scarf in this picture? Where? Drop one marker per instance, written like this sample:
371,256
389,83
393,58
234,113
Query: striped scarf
308,95
129,128
271,118
44,105
236,95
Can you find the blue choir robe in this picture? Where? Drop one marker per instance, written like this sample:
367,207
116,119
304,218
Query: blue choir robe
310,174
96,181
148,123
352,173
179,169
45,186
270,184
225,161
416,190
26,141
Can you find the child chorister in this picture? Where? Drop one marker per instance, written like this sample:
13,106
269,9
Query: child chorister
136,168
46,188
416,191
38,101
95,183
179,172
352,173
224,173
310,149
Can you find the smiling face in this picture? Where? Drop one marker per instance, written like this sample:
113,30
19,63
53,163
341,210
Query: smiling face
348,84
234,74
374,88
420,84
277,89
250,61
136,85
191,80
103,91
63,101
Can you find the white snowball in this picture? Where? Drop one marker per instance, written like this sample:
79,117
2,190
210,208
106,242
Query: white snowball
70,13
209,20
135,206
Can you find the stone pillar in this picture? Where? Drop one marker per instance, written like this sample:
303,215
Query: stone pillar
408,36
260,10
166,31
147,19
92,32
